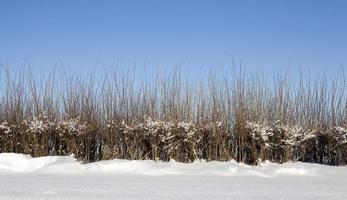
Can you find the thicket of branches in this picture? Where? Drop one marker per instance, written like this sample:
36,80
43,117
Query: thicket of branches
233,115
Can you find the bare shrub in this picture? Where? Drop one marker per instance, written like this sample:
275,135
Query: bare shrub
234,115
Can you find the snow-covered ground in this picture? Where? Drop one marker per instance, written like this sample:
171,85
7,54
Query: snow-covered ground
23,177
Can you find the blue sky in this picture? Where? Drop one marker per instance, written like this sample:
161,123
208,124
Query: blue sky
197,35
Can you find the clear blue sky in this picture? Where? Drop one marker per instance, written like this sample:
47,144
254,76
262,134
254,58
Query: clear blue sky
267,35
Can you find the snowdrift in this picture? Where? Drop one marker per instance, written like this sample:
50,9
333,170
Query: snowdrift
18,163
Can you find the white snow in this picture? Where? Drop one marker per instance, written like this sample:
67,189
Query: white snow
24,177
5,128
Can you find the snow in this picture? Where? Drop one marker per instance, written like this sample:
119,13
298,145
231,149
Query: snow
5,128
23,177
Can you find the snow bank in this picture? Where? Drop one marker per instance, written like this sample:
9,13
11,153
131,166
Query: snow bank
18,163
12,162
51,178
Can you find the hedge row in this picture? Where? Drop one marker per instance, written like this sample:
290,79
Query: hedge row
184,142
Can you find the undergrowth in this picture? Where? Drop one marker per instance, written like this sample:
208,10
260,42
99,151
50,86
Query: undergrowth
234,115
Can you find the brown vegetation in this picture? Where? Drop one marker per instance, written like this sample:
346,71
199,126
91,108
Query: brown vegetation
236,115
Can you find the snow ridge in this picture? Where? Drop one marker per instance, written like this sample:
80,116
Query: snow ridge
19,163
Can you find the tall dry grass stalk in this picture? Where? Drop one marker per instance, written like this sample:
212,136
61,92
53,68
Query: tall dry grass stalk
235,115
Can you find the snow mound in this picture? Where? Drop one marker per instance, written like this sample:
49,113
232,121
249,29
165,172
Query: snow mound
13,162
19,163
